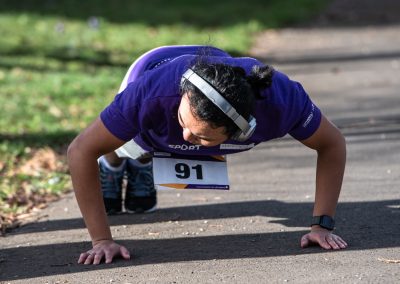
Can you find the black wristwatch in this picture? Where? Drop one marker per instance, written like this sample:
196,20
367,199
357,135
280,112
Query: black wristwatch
324,221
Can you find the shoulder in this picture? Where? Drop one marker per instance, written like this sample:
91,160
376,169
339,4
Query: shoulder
158,83
281,80
282,87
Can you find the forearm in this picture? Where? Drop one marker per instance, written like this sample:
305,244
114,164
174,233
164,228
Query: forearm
86,184
329,176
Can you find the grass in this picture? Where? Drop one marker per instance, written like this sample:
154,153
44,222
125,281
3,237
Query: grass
62,61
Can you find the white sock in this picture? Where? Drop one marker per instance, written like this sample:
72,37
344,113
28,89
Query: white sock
138,164
105,163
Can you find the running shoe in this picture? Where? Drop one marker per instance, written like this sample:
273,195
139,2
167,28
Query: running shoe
111,187
141,196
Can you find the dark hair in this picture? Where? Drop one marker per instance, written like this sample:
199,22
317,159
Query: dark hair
231,82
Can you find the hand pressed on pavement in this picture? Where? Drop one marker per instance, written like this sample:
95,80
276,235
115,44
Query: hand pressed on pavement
324,238
106,249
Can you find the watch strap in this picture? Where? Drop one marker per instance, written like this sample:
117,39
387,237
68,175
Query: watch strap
324,221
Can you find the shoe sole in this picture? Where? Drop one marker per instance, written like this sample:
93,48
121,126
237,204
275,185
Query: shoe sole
114,213
152,209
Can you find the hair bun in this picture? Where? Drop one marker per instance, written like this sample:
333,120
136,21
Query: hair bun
260,77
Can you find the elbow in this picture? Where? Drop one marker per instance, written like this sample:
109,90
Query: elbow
80,150
336,149
77,150
334,144
341,143
72,151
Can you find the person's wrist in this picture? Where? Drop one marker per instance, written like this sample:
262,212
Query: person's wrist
315,228
99,241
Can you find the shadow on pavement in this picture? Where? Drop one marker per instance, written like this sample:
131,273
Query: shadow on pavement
365,225
292,215
61,259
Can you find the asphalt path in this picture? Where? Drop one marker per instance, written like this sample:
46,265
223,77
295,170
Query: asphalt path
251,233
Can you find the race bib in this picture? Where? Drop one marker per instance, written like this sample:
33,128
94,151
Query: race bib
189,172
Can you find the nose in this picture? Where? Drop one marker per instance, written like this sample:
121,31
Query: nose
188,136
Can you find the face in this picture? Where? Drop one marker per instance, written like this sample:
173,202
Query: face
196,131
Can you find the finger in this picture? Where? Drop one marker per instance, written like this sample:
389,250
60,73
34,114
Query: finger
125,253
89,259
341,242
109,256
98,257
82,257
323,243
305,241
331,241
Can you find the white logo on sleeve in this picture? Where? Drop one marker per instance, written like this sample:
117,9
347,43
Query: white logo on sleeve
236,146
310,116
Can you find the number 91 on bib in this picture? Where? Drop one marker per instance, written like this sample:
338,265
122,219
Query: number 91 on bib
189,172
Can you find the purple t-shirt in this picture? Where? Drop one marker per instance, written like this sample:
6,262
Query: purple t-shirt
146,110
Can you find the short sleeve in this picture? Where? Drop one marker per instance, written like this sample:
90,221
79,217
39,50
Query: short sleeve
121,117
309,116
298,115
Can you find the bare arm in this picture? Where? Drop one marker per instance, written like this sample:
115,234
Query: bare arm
83,153
331,148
